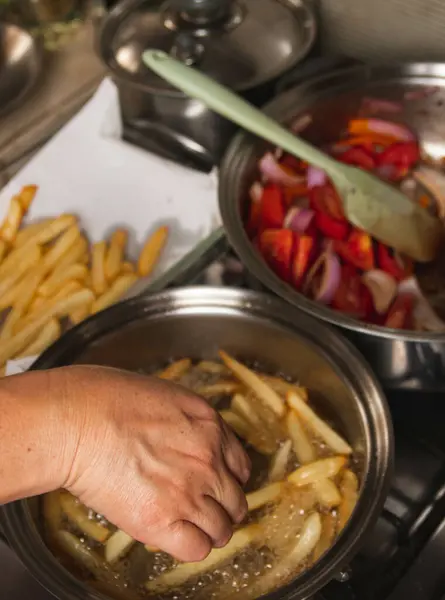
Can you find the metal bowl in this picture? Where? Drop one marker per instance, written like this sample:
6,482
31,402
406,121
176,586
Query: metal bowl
401,359
196,322
21,59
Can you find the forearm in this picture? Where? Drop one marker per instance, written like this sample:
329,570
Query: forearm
35,438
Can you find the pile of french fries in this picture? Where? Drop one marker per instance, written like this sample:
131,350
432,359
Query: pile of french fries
51,277
308,461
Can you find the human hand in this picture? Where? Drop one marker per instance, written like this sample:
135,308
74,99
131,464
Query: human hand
154,459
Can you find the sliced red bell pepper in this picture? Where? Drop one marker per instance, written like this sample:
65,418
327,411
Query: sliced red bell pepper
276,246
369,141
357,250
294,163
324,198
358,157
352,296
402,154
401,312
303,254
294,192
331,228
388,262
272,207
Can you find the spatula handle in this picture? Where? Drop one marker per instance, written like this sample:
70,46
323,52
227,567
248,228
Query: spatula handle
233,107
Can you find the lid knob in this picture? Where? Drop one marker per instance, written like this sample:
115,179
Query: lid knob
202,11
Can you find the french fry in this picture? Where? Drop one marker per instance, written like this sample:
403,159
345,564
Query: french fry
117,546
61,247
303,448
78,253
79,552
281,386
52,511
122,284
11,296
220,388
19,341
79,315
323,468
327,493
26,196
3,249
278,465
250,379
127,267
30,259
78,514
209,366
175,370
98,279
113,261
40,303
151,251
237,423
47,336
259,438
12,221
349,493
327,537
29,231
317,425
185,571
58,278
28,288
266,495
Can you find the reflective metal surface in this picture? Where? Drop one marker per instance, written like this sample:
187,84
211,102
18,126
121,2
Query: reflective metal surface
21,58
145,332
250,46
400,359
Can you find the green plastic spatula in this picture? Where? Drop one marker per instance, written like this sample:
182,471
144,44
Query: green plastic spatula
370,204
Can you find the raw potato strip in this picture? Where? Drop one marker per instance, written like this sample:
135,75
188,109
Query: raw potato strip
266,495
98,279
25,336
113,261
185,571
250,379
151,251
12,221
77,513
318,426
27,292
117,546
48,335
176,370
328,527
278,466
320,469
29,260
349,492
58,278
122,284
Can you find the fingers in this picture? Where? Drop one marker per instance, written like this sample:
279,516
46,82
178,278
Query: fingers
184,541
228,493
236,459
214,521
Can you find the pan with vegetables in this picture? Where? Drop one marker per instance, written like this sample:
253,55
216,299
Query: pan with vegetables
287,222
303,403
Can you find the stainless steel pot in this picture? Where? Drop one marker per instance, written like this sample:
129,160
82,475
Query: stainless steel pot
400,359
245,44
195,322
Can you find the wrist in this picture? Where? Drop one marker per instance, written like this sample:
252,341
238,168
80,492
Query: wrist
41,431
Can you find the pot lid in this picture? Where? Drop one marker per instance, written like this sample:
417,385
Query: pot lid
241,43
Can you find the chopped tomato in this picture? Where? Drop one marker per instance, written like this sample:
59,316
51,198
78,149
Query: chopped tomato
276,246
324,198
368,141
402,154
358,157
401,312
272,207
294,192
357,250
254,217
388,262
332,228
304,246
352,296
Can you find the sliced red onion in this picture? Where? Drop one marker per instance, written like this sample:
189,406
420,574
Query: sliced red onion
383,288
256,191
420,93
298,219
434,183
272,171
301,123
315,177
379,105
328,267
425,318
395,130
